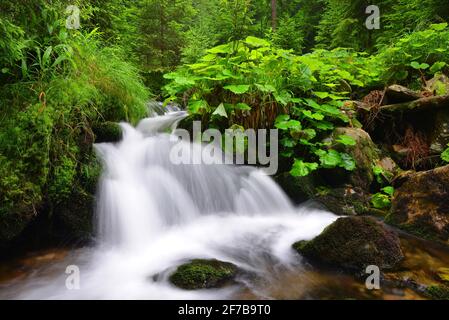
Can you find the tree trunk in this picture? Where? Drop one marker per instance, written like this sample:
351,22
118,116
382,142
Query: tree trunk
274,14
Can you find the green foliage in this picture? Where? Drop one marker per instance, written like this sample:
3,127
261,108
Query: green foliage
255,84
382,200
420,53
58,85
445,155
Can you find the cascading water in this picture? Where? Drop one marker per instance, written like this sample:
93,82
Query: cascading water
153,215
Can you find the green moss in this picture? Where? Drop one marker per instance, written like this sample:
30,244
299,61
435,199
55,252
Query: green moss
438,292
354,243
107,132
201,274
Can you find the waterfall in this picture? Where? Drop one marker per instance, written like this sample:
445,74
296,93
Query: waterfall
153,215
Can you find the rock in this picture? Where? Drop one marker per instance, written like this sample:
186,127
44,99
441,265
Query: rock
423,104
345,201
421,204
439,136
365,154
203,274
438,85
397,93
299,189
107,132
354,243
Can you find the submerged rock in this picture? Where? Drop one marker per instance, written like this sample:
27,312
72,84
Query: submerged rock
203,274
354,243
421,204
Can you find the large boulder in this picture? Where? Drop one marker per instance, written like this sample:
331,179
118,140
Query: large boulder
365,154
354,243
421,204
203,274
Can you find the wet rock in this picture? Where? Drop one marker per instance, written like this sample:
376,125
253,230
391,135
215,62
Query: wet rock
345,200
421,204
203,274
299,189
365,154
439,136
438,85
354,243
397,93
107,132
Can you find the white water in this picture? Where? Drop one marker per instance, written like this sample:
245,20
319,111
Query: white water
153,215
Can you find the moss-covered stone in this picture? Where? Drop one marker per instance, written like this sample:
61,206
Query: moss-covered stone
345,200
365,154
107,132
438,292
421,204
203,274
354,243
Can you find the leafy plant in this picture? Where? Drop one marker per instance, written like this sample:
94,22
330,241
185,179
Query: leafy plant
382,200
256,85
445,155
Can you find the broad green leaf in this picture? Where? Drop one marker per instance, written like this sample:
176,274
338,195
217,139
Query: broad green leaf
346,140
242,107
380,201
238,89
437,66
388,190
445,155
322,95
256,42
302,169
347,162
329,159
197,106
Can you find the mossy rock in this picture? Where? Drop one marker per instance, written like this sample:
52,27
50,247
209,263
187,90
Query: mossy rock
354,243
421,204
365,153
203,274
437,292
345,200
107,132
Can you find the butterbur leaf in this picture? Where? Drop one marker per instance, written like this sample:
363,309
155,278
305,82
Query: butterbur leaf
346,140
380,201
322,95
302,169
388,190
445,155
197,106
347,162
257,42
242,107
238,89
437,66
329,159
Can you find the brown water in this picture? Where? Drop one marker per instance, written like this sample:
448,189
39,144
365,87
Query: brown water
421,266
